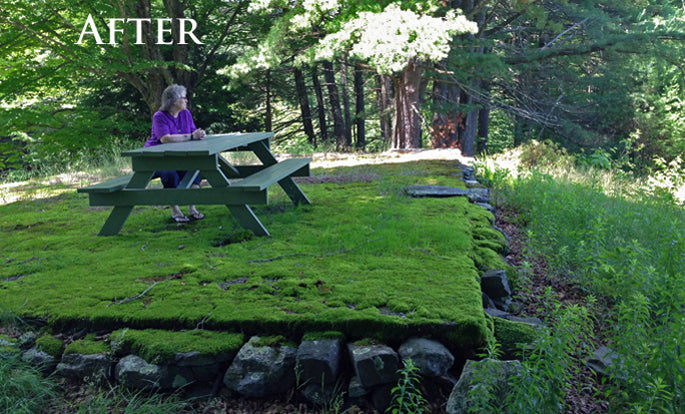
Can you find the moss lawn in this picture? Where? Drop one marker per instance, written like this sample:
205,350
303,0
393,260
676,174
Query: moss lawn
363,259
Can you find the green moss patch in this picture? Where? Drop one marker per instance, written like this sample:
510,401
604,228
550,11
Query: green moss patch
512,335
158,346
87,346
50,345
363,259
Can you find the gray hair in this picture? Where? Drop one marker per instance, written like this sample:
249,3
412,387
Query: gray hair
170,95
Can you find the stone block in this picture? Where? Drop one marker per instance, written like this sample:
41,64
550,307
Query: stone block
319,361
260,371
432,358
374,364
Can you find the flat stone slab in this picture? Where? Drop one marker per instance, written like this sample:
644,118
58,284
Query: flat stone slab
435,191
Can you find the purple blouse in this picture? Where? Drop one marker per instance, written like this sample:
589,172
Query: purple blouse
163,123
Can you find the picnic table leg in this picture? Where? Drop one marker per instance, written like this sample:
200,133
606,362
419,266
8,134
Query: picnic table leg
119,214
248,220
294,191
242,213
115,221
188,179
287,184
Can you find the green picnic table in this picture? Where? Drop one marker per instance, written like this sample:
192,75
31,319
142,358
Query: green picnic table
232,185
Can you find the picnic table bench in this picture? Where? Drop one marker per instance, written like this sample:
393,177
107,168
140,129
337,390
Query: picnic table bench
201,157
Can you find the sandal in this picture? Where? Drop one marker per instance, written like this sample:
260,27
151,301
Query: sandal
196,216
180,219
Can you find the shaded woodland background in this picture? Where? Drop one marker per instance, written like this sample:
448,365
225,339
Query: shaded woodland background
603,78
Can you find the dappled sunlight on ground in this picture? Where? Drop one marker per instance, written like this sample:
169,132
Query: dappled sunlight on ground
36,189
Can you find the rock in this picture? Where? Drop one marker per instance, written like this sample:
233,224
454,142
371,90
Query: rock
497,373
495,284
486,206
46,363
479,195
431,357
503,303
322,397
487,302
78,366
468,172
355,389
602,360
134,372
435,191
9,342
381,397
528,320
201,367
319,361
374,364
260,371
496,313
27,340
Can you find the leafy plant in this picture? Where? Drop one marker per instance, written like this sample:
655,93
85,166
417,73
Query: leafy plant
556,355
406,396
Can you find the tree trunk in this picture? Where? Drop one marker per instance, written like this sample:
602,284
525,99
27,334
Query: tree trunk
334,101
359,115
384,102
468,135
407,129
484,122
346,105
301,91
268,117
323,128
446,120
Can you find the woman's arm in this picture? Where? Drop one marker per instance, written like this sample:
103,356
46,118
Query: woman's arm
195,135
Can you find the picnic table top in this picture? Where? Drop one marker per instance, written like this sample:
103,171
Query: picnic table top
210,145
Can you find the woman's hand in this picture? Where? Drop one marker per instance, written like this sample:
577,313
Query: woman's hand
197,134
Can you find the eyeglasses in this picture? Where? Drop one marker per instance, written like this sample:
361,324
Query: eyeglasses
183,97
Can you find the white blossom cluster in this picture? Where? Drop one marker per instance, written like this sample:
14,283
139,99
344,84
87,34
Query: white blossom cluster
388,40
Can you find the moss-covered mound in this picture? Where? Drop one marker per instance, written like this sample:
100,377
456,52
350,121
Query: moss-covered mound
363,259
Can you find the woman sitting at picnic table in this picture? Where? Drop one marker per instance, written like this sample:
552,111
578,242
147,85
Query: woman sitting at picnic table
174,123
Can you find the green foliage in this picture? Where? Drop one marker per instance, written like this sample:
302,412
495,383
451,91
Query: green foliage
117,399
556,357
650,366
23,388
626,245
406,396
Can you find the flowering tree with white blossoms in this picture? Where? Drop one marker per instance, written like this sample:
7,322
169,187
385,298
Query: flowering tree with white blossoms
395,41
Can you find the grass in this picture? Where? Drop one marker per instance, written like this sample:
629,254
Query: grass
364,259
621,241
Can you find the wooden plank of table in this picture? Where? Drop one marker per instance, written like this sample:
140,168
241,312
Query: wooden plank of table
174,196
275,173
187,163
210,145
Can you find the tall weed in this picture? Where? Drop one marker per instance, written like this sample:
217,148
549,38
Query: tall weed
22,387
625,244
549,366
